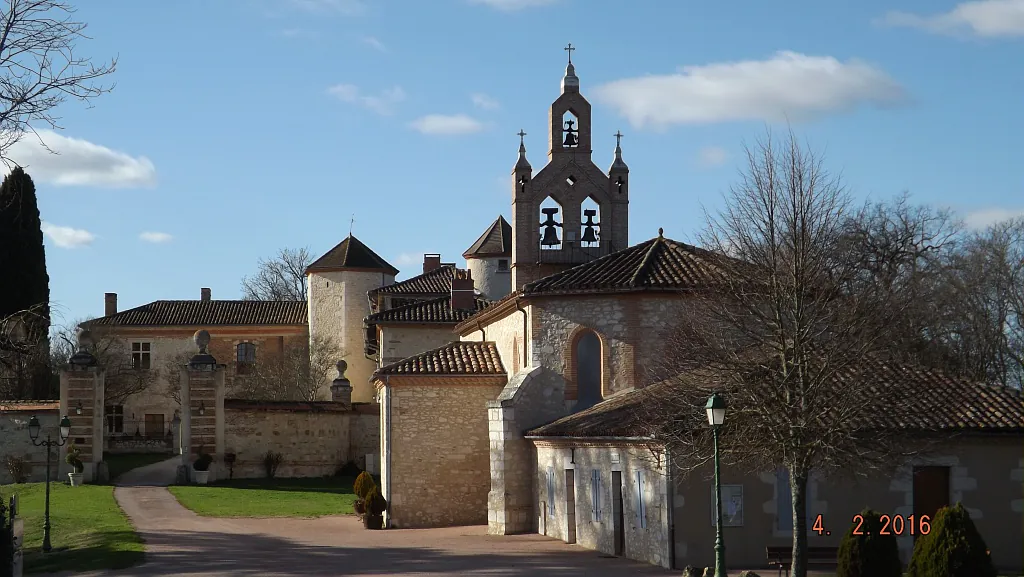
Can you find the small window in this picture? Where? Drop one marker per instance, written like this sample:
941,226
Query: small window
595,495
551,492
115,418
641,506
502,264
141,356
245,357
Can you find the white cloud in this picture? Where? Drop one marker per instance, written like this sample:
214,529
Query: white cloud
485,102
712,156
987,217
447,124
407,258
512,5
155,237
986,18
375,43
343,7
789,86
383,103
79,162
67,237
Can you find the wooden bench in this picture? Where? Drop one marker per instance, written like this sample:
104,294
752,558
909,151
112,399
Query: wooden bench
782,557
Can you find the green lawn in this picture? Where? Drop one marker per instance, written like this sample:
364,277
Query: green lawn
88,530
117,465
269,497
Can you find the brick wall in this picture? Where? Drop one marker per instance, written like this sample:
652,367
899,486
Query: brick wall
15,440
439,450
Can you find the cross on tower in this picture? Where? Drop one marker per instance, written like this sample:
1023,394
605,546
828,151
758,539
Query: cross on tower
618,137
351,224
521,134
569,49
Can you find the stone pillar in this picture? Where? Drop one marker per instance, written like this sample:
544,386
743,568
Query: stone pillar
341,388
82,399
510,501
202,403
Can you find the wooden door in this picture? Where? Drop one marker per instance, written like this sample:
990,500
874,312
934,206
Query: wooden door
154,426
620,534
931,491
570,506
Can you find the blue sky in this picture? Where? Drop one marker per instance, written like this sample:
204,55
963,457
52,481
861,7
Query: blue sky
238,127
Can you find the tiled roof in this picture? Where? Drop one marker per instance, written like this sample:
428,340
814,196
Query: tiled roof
455,358
495,241
657,264
351,253
206,313
435,282
929,402
437,310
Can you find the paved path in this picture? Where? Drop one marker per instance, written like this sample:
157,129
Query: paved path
178,542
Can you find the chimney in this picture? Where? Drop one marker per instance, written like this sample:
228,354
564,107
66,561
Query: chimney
109,304
431,262
462,290
204,294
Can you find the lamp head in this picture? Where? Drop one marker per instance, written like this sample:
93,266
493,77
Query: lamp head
65,428
715,409
33,427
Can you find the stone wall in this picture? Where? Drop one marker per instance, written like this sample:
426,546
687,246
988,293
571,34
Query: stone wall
15,440
439,473
337,306
314,438
645,537
404,340
507,335
365,436
492,282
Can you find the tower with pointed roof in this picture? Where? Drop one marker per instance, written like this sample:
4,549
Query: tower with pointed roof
571,212
489,260
338,284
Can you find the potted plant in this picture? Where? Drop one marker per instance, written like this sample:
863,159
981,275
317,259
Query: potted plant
375,507
74,459
201,468
362,487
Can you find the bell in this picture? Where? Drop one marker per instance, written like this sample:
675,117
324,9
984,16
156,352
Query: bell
550,237
570,139
589,234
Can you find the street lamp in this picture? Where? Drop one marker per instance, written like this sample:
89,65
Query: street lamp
33,432
202,409
716,416
78,408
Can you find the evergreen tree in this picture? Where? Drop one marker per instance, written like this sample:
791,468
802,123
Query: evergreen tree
26,286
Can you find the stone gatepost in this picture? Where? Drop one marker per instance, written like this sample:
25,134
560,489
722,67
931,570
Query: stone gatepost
341,388
82,399
202,409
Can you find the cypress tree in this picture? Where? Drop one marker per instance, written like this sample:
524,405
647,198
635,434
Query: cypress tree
26,285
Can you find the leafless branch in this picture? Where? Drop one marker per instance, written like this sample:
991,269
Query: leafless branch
282,278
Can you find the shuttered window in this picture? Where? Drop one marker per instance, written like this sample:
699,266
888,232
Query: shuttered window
595,494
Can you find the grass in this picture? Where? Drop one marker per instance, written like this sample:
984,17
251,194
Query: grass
314,497
88,530
118,464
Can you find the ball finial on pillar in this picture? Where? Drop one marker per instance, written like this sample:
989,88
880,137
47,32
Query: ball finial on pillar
202,339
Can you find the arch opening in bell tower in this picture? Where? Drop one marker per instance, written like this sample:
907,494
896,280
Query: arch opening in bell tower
551,219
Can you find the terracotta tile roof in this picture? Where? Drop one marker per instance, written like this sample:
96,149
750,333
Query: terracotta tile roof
455,358
28,406
435,282
658,264
437,310
495,241
934,403
351,253
206,313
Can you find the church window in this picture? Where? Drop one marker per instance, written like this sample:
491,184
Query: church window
588,369
502,264
551,491
570,130
595,494
245,357
641,506
590,226
550,239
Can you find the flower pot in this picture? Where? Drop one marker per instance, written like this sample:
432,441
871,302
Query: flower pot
76,479
201,477
360,507
373,521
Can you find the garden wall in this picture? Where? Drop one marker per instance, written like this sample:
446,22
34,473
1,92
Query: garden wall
15,440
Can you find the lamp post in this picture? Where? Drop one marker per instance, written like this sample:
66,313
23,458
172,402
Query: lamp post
33,432
716,416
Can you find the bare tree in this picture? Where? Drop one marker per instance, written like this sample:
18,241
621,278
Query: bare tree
24,364
294,374
123,378
784,336
41,67
282,278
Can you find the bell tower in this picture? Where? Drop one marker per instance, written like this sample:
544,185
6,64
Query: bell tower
571,212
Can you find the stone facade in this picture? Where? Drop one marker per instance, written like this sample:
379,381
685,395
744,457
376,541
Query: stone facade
337,306
507,335
646,527
315,439
434,435
365,437
491,279
15,440
398,341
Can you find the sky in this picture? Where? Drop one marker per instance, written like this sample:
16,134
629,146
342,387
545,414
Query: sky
240,127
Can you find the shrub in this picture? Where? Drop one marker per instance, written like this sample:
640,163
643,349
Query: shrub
376,504
363,485
869,554
18,468
74,458
203,462
271,461
953,548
